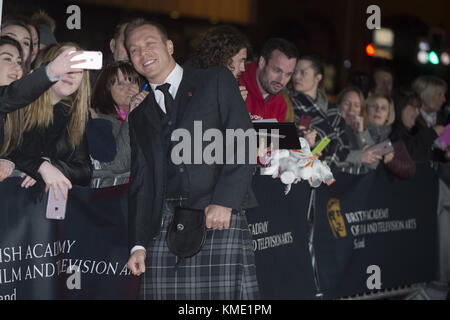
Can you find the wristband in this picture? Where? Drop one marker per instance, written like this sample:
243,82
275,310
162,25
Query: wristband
52,79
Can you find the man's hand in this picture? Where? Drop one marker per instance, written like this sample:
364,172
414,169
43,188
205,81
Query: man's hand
136,263
262,151
244,92
218,217
137,99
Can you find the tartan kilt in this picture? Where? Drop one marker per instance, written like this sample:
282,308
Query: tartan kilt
223,270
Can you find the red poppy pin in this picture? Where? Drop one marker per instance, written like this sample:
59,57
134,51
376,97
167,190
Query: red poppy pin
189,94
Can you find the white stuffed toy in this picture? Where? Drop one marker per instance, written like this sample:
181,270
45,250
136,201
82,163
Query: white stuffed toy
293,166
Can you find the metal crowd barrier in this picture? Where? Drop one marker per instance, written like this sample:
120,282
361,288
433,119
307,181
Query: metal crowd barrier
104,179
403,293
417,291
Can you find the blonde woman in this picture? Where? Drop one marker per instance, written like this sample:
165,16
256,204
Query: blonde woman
17,91
379,119
432,91
53,148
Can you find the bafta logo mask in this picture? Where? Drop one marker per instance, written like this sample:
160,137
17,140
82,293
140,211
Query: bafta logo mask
336,219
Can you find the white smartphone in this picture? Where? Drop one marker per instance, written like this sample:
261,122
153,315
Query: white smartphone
94,60
56,209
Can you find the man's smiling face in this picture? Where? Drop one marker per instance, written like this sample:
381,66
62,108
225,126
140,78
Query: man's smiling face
150,54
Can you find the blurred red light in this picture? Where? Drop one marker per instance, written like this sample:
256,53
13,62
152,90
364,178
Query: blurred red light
370,50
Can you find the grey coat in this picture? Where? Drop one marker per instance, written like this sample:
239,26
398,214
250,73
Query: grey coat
121,163
357,141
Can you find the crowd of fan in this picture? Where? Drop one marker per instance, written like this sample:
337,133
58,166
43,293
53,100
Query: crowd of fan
58,124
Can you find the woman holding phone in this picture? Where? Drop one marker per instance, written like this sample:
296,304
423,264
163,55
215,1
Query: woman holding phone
308,99
53,148
380,117
17,92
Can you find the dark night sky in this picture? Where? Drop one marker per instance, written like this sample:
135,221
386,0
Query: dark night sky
334,29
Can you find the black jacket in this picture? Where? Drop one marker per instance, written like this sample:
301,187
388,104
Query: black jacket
208,95
433,153
53,143
21,93
418,140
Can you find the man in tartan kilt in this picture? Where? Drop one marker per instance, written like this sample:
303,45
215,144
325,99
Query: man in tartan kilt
224,269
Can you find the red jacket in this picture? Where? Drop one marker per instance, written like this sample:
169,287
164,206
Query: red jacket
258,107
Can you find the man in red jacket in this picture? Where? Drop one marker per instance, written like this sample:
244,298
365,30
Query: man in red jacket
265,78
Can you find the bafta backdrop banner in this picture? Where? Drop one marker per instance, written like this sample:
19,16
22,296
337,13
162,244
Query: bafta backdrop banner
376,232
368,232
280,240
36,254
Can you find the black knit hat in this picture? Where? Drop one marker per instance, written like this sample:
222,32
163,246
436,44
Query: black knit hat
46,35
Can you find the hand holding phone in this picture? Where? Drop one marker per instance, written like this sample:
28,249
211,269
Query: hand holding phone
54,178
305,122
93,60
383,148
63,63
370,156
310,137
56,207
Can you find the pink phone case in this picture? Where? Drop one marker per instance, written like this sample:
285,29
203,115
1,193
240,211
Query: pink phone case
445,139
56,209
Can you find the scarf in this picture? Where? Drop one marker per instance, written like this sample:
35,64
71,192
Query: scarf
122,114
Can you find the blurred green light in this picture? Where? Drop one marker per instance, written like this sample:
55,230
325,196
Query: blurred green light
433,57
